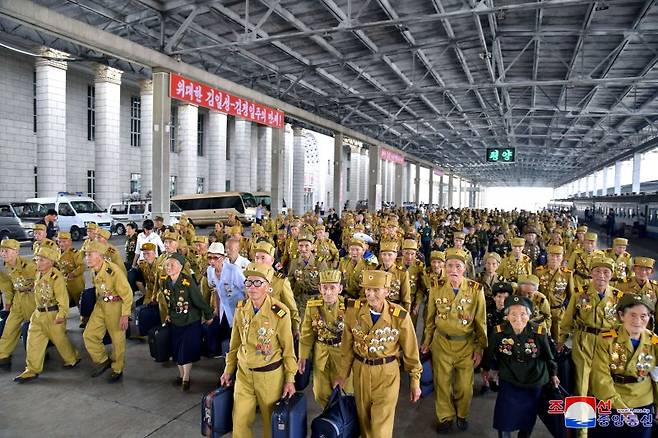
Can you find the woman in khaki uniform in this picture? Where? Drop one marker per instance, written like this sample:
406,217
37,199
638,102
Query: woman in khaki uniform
376,332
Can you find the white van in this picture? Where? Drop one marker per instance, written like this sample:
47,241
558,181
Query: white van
137,211
74,212
207,208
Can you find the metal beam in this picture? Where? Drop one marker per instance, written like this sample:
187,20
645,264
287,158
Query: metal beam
175,38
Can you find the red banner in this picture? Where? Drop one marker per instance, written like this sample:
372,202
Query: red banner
208,97
387,155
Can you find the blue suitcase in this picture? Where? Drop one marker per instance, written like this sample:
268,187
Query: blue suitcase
3,320
289,417
339,418
146,317
217,412
426,377
302,380
87,302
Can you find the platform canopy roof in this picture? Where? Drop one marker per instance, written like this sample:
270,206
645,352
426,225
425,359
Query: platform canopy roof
571,84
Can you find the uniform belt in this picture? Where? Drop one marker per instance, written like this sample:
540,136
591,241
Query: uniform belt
378,361
592,330
454,337
618,378
24,290
48,309
111,298
332,342
271,367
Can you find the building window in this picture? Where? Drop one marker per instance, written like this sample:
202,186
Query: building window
135,182
199,136
172,185
347,180
135,121
173,122
91,113
34,101
200,184
36,191
227,188
91,183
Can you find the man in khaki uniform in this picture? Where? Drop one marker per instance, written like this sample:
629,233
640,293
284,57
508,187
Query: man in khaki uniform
48,322
71,265
640,284
111,253
458,240
114,300
515,263
200,258
581,257
39,237
19,298
291,245
415,268
303,271
352,267
556,283
281,289
400,290
541,309
591,311
577,243
378,332
321,336
456,333
622,259
146,282
92,232
325,247
261,352
187,230
431,276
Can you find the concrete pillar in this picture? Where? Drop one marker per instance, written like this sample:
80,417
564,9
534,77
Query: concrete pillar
441,195
278,148
431,186
217,151
355,170
338,172
617,177
146,140
255,159
51,128
417,185
264,180
298,163
390,181
108,142
398,185
374,186
604,183
161,136
637,166
241,149
363,174
188,118
451,189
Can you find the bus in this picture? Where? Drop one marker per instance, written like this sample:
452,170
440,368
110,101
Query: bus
208,208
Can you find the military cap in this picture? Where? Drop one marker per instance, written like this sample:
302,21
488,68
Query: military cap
582,229
295,223
180,258
235,230
602,261
359,227
183,221
645,262
459,235
357,242
257,228
331,276
502,287
529,279
376,279
96,246
438,255
555,249
631,299
320,228
170,235
439,236
518,241
259,270
306,237
201,239
530,229
63,235
591,236
457,254
388,246
492,255
216,248
105,234
410,244
92,226
620,241
39,227
10,244
148,246
516,300
264,246
49,252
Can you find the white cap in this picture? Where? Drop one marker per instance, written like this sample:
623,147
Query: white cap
363,236
216,248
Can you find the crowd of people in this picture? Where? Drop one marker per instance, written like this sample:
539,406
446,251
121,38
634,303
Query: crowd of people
495,292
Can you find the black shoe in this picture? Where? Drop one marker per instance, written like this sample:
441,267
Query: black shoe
114,377
21,379
462,423
5,364
444,426
101,368
70,366
484,389
178,381
494,386
82,325
185,387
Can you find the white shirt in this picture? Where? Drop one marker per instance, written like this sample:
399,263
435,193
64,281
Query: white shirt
151,238
241,262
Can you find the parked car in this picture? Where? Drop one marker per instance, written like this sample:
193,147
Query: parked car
12,226
137,211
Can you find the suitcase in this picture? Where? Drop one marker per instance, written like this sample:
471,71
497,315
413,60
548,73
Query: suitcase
160,343
553,422
302,380
3,320
146,317
87,302
339,418
426,377
217,412
289,417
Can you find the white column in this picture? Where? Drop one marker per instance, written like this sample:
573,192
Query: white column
188,118
338,172
278,145
51,126
604,183
441,194
363,179
637,166
298,163
398,185
355,169
217,151
242,155
374,185
161,144
146,140
431,200
264,181
617,177
417,184
461,182
108,144
254,160
451,188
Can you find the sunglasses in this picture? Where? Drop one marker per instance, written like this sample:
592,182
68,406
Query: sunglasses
255,283
214,257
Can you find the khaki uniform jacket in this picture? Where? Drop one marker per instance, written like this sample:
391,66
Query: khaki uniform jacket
649,289
556,286
510,268
391,334
488,283
282,291
322,331
326,248
149,274
50,290
259,339
352,275
109,281
400,290
22,278
71,262
305,276
114,256
415,271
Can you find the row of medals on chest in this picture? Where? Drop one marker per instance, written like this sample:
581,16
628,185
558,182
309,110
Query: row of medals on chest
444,306
182,306
378,338
618,360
